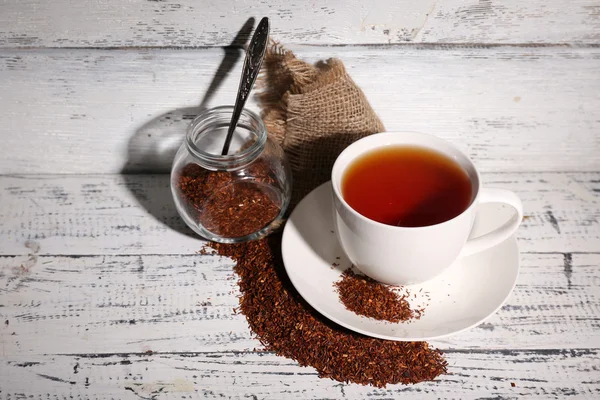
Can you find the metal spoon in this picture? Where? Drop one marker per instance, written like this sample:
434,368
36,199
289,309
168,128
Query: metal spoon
252,63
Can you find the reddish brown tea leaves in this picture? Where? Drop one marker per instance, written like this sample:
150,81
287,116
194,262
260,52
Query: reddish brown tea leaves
285,324
364,296
225,205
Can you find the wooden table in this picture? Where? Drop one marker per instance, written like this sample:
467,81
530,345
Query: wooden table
102,292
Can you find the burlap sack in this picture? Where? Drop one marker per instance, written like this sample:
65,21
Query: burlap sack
314,112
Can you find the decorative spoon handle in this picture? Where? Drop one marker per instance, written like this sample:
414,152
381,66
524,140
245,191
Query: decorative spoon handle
252,63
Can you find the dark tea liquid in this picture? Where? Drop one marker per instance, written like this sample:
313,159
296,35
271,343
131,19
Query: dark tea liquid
406,186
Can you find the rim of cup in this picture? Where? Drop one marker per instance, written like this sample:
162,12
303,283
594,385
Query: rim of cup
340,170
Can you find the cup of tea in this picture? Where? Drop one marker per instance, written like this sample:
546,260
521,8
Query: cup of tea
405,203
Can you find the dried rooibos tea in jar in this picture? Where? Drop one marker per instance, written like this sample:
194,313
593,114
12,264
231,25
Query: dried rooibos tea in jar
235,197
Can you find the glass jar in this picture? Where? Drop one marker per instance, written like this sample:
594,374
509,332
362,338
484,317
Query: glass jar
236,197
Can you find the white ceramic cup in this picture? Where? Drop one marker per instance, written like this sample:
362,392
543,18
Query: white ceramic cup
399,255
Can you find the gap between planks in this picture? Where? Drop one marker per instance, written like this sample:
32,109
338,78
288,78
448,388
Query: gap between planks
416,46
52,175
573,351
98,255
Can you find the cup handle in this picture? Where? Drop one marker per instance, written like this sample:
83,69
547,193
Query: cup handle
502,233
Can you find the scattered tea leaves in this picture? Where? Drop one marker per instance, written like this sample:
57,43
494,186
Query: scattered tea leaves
365,296
284,323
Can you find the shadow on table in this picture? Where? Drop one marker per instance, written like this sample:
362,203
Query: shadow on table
153,146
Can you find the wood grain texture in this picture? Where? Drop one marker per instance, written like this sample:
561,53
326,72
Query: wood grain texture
188,23
134,214
103,264
102,292
489,374
92,111
117,304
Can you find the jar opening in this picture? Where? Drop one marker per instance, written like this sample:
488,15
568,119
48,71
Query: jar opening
207,132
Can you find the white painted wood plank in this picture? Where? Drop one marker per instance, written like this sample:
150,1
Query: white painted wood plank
183,23
535,374
510,108
120,304
134,214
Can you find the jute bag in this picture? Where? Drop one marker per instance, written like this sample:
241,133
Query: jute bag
314,112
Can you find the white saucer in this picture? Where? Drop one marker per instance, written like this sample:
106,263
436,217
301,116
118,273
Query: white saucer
464,295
